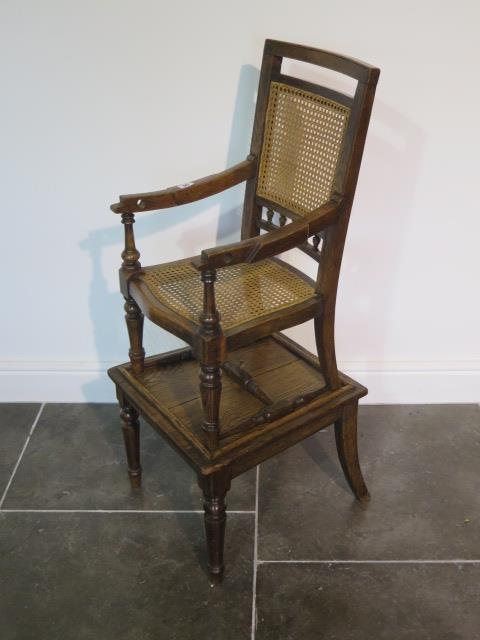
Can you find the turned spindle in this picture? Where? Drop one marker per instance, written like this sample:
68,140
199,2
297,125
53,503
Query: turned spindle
133,314
130,254
134,320
211,357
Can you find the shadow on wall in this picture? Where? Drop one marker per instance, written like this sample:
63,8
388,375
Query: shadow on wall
106,306
381,223
374,252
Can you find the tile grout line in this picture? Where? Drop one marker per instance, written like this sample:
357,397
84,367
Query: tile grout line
32,429
455,561
111,511
255,559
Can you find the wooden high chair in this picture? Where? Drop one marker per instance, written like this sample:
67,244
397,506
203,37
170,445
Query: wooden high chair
241,392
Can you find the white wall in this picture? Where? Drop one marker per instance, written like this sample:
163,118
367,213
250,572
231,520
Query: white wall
102,97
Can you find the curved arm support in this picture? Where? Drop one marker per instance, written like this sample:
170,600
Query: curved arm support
271,243
188,192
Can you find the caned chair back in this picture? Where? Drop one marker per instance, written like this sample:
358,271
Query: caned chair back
303,140
308,138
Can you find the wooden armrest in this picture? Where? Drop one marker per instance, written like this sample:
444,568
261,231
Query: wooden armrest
269,244
189,192
253,249
322,217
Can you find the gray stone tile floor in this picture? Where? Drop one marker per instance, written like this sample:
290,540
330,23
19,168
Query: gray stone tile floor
82,556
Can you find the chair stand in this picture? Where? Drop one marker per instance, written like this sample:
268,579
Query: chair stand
274,395
241,392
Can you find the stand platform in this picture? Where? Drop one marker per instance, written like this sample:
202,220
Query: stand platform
273,396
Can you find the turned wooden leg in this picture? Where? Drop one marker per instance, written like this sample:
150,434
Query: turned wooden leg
325,341
210,393
212,354
134,320
131,436
347,447
214,492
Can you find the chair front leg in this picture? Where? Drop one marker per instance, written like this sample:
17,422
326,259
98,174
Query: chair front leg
210,392
134,320
211,352
133,314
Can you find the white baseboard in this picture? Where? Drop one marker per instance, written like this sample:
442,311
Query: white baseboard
388,383
56,382
419,387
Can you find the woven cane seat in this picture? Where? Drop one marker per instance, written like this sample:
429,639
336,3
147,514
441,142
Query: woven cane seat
243,292
303,138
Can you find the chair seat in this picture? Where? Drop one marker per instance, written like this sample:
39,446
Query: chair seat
244,292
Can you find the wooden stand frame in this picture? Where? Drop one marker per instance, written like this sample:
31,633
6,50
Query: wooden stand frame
253,430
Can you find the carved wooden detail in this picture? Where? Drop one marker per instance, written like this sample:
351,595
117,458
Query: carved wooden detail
244,378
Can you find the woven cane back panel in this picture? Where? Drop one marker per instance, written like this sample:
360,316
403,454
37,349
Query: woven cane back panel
243,292
302,142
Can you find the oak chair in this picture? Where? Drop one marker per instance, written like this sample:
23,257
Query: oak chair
241,392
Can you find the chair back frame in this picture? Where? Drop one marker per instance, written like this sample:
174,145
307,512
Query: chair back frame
331,238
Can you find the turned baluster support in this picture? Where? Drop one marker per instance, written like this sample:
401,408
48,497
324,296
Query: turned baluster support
211,355
134,320
214,490
130,255
133,314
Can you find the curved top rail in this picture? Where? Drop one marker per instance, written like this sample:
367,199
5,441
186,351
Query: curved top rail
357,69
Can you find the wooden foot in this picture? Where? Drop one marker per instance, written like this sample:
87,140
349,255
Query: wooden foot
131,436
347,448
214,491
